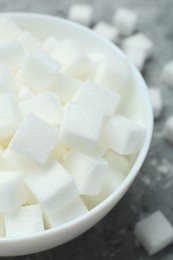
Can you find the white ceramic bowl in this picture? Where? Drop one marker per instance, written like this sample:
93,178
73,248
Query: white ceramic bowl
139,108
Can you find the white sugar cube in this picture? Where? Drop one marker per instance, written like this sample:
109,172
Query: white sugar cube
168,129
156,101
154,232
50,44
34,139
139,42
7,82
88,172
12,55
168,73
81,13
12,191
10,117
8,30
81,127
38,71
113,73
117,161
25,221
45,105
98,98
75,62
122,135
25,93
65,87
112,181
125,21
106,30
52,186
71,211
138,57
28,41
2,225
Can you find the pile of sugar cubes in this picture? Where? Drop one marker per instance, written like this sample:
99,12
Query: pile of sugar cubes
64,147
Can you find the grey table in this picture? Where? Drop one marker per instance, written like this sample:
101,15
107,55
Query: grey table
112,238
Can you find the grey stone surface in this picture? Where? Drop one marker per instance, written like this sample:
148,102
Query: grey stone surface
112,238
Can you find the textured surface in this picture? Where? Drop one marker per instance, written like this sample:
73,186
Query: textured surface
112,238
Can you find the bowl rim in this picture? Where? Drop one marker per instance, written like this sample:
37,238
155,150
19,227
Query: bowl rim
140,158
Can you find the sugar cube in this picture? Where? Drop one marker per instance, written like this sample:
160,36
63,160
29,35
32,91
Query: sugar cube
24,93
71,211
52,186
106,30
38,71
2,225
119,162
34,139
113,73
25,221
8,30
7,81
168,129
65,87
12,55
13,193
29,41
138,42
138,57
10,117
88,172
154,232
81,13
50,44
167,74
125,21
98,98
45,105
122,135
81,127
156,101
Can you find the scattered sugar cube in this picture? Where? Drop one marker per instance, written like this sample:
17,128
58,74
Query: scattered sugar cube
74,61
122,135
29,41
81,13
98,98
25,221
25,93
168,129
45,105
154,232
112,181
156,101
10,117
2,225
8,30
137,57
12,191
12,55
34,139
65,87
125,21
139,42
88,172
117,161
168,73
106,30
38,71
73,210
7,81
113,73
52,186
50,44
81,127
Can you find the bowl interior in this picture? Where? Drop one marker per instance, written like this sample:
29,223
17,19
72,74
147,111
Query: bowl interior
139,107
